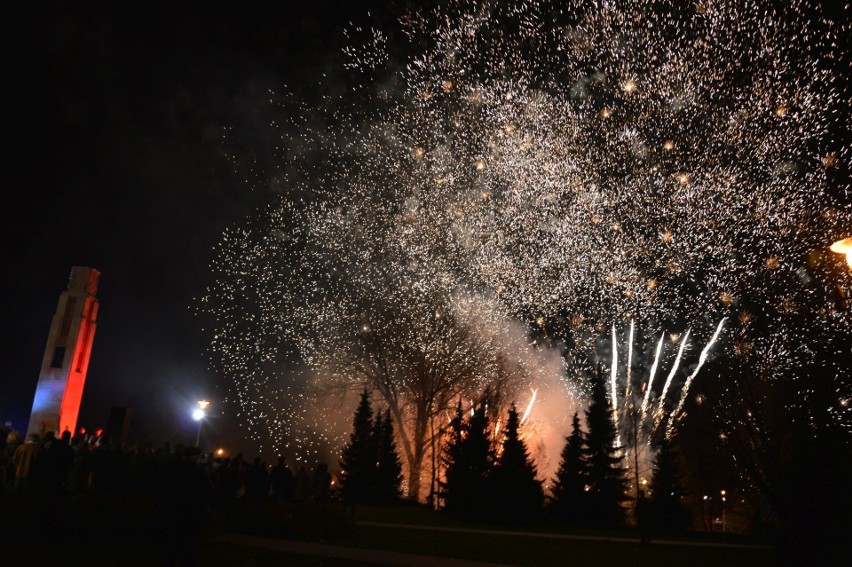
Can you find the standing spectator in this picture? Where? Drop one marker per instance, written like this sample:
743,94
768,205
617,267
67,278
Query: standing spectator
643,517
81,469
109,467
282,481
24,460
142,470
301,485
186,494
5,460
53,465
228,483
13,441
66,456
257,483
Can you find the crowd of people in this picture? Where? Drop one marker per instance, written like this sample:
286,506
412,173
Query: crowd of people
181,482
78,465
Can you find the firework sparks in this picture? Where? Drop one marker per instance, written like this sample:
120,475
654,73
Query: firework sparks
606,160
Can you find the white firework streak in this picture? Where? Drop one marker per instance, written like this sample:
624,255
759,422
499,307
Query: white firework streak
629,360
612,378
530,405
651,377
685,391
669,380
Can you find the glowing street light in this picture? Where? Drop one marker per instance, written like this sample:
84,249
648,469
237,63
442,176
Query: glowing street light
844,247
198,415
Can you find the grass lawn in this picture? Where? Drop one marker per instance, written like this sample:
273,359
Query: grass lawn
119,533
535,550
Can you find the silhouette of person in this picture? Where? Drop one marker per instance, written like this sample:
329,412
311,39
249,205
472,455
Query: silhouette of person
643,517
257,482
81,469
13,441
282,481
185,496
302,485
24,460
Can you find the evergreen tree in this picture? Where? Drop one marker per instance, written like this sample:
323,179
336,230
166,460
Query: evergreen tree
516,494
389,474
479,456
468,460
606,474
569,486
669,513
451,488
375,440
358,460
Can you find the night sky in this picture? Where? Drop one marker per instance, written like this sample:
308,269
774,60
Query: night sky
115,123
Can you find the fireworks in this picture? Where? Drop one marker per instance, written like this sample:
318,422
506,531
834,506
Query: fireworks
573,164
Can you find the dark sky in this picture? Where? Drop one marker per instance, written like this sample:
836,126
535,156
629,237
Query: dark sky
114,123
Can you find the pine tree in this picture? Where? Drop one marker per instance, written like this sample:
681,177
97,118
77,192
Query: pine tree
358,460
389,474
452,486
468,459
569,486
606,474
669,513
479,457
375,440
516,494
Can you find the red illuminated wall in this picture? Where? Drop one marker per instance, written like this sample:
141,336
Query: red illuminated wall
73,396
59,392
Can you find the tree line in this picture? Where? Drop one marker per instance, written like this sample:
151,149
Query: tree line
496,480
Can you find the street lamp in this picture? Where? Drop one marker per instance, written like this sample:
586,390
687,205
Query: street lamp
198,415
723,511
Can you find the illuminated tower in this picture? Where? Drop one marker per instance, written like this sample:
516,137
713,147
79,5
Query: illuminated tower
66,357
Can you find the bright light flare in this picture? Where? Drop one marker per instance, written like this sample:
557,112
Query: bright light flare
844,247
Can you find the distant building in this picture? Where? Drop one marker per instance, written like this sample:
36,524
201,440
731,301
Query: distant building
59,392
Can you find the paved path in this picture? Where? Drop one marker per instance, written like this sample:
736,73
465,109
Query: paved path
395,558
546,535
377,556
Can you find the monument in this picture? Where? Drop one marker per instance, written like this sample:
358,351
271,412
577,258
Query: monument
59,392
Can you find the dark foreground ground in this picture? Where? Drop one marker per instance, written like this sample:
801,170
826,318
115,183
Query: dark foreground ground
109,531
